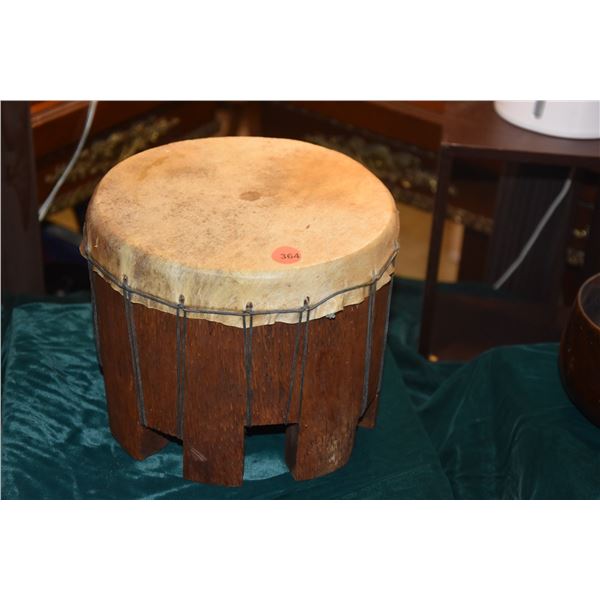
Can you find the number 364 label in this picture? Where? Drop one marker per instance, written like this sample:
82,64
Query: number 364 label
286,255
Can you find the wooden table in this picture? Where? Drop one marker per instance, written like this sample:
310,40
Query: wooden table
474,130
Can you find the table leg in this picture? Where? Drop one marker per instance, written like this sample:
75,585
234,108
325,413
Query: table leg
433,259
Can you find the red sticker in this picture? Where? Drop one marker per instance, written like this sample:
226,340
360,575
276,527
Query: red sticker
286,255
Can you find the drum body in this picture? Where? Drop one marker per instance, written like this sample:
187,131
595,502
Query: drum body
203,371
321,396
580,351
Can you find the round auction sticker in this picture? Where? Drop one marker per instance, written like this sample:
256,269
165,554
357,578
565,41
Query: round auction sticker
286,255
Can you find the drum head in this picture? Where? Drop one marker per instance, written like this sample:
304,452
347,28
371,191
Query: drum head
235,220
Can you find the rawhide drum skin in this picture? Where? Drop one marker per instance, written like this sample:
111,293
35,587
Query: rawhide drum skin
239,282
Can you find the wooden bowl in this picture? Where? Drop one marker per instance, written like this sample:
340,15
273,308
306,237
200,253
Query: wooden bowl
580,351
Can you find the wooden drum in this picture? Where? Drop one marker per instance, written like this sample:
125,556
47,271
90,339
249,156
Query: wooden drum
240,282
580,351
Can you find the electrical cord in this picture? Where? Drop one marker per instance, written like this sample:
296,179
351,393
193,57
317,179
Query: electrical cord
536,233
47,204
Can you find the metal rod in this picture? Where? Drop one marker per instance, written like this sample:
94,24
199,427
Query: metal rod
368,348
139,392
304,357
385,334
94,311
181,338
248,361
293,368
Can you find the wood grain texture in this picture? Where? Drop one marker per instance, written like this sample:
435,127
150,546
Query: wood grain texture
118,128
524,195
115,354
475,129
22,266
321,424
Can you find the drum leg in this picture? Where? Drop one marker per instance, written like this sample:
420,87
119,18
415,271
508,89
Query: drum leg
214,414
138,441
115,352
214,453
328,400
123,410
315,447
369,419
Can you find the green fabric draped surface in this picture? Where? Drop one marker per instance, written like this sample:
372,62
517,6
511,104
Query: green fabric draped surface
500,426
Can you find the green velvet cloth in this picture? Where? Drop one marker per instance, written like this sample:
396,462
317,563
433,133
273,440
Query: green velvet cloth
500,426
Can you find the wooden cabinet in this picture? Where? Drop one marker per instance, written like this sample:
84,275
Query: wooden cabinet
119,130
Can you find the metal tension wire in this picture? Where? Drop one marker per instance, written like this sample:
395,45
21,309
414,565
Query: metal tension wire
247,315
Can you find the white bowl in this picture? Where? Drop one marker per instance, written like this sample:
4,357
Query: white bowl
579,120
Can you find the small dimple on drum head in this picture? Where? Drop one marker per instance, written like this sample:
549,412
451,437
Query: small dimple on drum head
250,196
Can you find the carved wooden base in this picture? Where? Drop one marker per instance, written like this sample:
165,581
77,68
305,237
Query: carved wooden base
321,413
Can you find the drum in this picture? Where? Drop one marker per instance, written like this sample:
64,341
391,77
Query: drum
239,282
580,351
